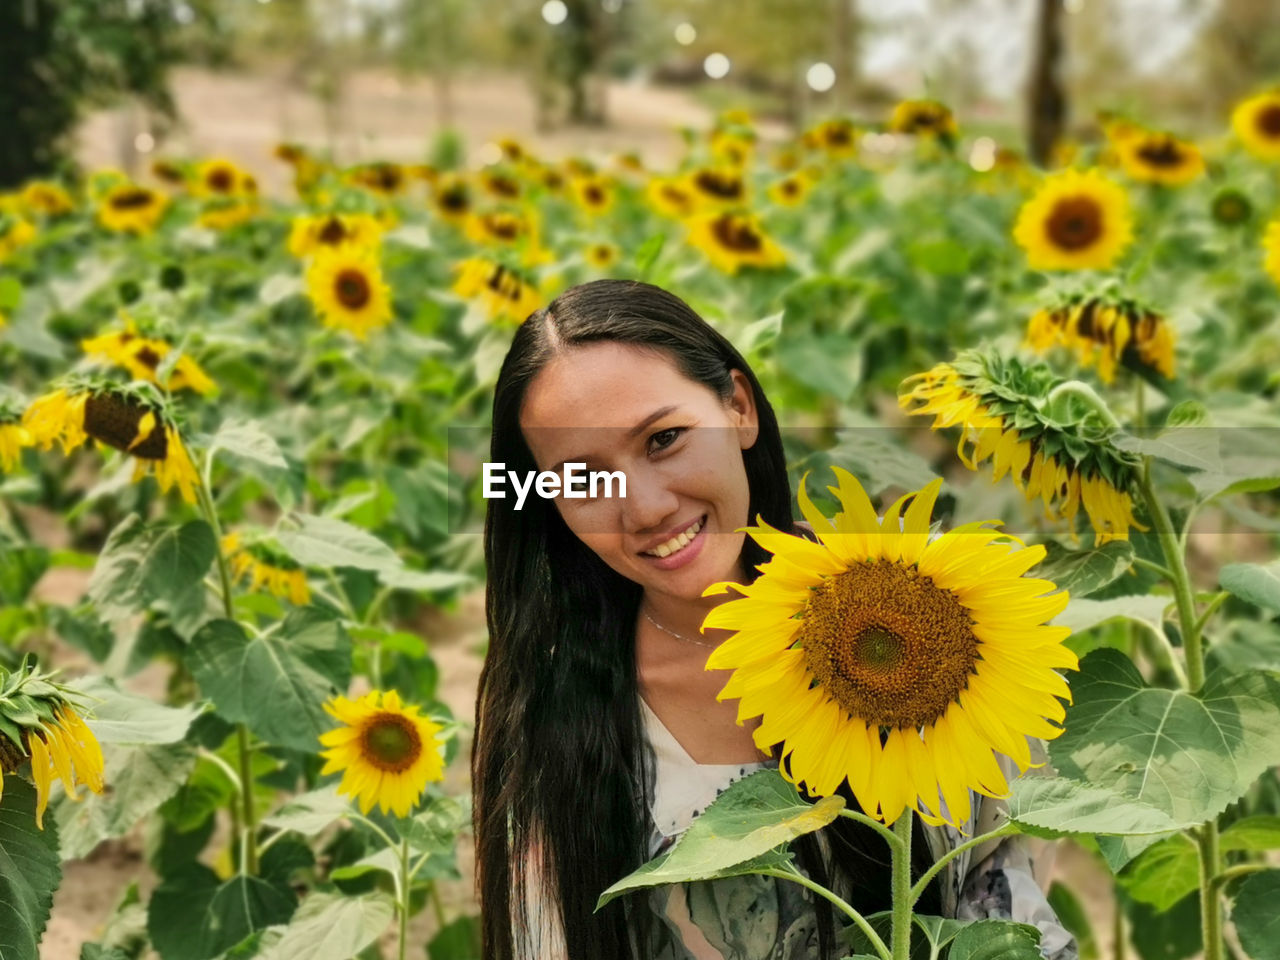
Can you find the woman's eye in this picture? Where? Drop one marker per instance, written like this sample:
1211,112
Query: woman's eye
664,438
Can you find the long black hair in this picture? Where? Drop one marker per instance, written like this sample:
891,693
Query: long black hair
561,770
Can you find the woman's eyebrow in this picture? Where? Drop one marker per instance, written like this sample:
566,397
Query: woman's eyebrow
656,415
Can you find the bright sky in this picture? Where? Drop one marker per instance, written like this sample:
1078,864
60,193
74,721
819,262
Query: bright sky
907,35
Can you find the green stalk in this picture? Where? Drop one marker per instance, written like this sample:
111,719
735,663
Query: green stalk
789,872
243,818
901,881
403,906
1210,909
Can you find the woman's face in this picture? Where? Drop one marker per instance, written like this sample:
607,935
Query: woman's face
617,407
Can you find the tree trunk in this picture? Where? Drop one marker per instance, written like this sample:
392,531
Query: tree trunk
1046,100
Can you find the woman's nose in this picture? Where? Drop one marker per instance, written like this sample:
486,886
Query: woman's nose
648,503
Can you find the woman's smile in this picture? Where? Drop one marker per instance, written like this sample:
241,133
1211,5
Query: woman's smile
680,549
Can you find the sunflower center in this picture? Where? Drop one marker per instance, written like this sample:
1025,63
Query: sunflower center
220,180
504,228
727,187
351,287
131,199
734,233
1076,223
391,743
594,196
114,420
1161,153
1269,120
504,187
455,200
332,233
887,644
147,357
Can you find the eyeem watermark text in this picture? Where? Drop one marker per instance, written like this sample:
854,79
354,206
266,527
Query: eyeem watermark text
574,484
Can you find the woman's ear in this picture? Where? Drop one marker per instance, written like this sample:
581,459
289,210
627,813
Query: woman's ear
742,410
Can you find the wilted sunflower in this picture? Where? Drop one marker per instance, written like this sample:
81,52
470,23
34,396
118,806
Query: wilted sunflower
790,191
593,194
1076,221
346,287
503,292
898,663
1106,331
384,179
128,208
49,732
281,577
717,186
734,240
602,256
1256,122
671,197
387,752
923,118
125,418
142,357
312,233
15,232
1271,246
995,402
47,198
1161,158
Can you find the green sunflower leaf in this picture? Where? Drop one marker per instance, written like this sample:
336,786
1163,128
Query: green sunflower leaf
143,563
118,717
194,917
277,681
1255,916
1261,832
1082,572
310,813
1054,806
1257,583
247,440
1186,755
739,833
996,940
30,871
329,926
1165,873
327,542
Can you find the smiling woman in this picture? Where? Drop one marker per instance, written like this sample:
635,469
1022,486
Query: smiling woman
599,736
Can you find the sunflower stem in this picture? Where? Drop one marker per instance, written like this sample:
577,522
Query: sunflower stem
1210,909
404,895
789,872
901,879
1004,830
1078,388
247,824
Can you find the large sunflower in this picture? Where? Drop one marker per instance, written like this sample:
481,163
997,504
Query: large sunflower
120,417
1067,465
1078,220
1106,331
1256,122
386,751
1161,158
347,289
734,240
892,661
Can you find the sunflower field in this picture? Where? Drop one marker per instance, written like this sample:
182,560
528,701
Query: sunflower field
253,424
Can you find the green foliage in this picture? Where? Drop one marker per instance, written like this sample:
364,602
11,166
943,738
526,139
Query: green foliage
30,871
192,916
1255,916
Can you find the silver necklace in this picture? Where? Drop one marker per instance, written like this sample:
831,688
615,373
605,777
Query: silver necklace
676,635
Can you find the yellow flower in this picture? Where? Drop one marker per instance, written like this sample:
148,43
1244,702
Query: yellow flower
225,214
170,172
13,437
1038,456
671,197
734,240
1160,158
602,256
923,118
384,179
286,582
142,356
222,179
452,198
593,194
47,198
503,227
128,208
346,287
1106,333
718,186
790,191
837,137
119,419
310,234
501,290
1076,221
896,662
387,752
1256,122
14,233
65,749
731,147
500,183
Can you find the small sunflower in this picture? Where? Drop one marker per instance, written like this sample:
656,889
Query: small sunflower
128,208
790,191
994,402
386,752
220,179
720,186
896,662
512,149
732,147
312,233
451,197
169,172
837,138
120,417
1256,122
142,357
281,577
346,286
593,194
501,183
50,733
1076,221
502,227
734,240
630,161
225,214
1160,158
385,179
923,118
1231,207
503,292
786,159
602,256
1271,248
1106,331
671,197
15,232
47,198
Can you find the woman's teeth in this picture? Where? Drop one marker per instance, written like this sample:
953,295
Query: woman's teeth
676,542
